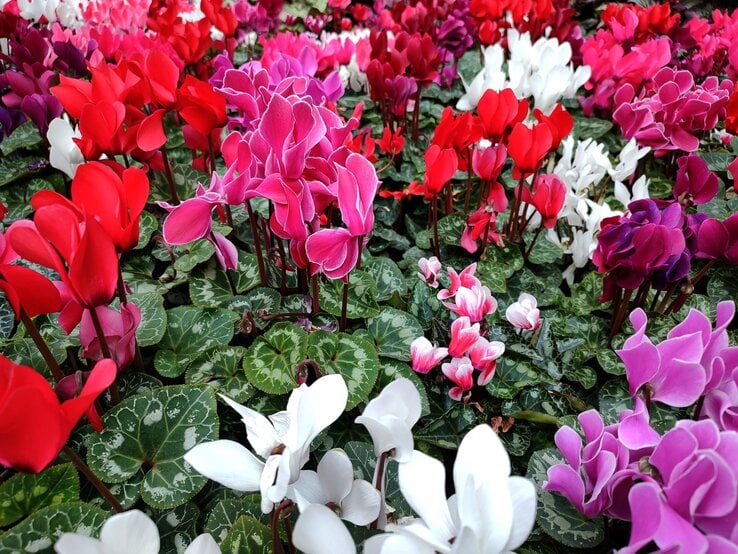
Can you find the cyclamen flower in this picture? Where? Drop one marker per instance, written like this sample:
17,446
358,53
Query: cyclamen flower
430,268
131,531
64,154
695,183
463,336
483,355
425,356
333,485
483,484
461,372
476,302
282,441
119,330
464,279
524,313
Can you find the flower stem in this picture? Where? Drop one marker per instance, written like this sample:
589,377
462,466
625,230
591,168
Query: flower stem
277,547
257,244
344,303
434,212
114,393
379,484
42,346
316,297
169,176
532,243
93,479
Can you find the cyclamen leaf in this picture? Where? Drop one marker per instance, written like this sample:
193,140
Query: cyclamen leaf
247,535
393,331
154,431
362,301
177,527
40,531
352,357
388,277
226,512
271,361
24,494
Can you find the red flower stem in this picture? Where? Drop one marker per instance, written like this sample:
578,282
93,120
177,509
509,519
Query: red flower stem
436,244
360,240
316,297
277,547
532,243
288,530
257,244
282,266
416,115
42,346
114,393
379,482
93,479
621,312
467,196
449,198
665,300
137,359
344,303
654,301
642,293
169,176
702,272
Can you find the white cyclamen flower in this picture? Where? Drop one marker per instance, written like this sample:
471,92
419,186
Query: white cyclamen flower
491,77
319,530
628,161
64,155
128,532
282,441
389,418
491,511
333,485
33,10
582,171
638,191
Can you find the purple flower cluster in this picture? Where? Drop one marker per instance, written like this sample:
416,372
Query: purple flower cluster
679,490
656,242
672,112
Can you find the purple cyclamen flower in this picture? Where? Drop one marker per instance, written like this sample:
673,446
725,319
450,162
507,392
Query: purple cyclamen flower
695,183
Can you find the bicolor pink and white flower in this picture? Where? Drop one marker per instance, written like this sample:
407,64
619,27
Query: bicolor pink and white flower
524,313
483,355
464,335
461,372
430,268
425,356
476,302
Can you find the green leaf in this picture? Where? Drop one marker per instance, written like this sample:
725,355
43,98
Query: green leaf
391,370
354,358
25,137
7,317
388,277
147,225
610,362
221,369
717,161
556,516
226,512
18,198
448,421
585,295
614,398
511,375
498,266
190,331
39,532
590,127
25,493
14,168
271,361
209,286
247,535
424,304
153,317
261,301
362,301
154,430
178,526
197,252
393,331
544,252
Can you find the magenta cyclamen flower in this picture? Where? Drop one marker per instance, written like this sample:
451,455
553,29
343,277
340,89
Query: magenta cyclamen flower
464,279
476,303
461,372
672,113
425,356
484,356
596,477
695,183
691,502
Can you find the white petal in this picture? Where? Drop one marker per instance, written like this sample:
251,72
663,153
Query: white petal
336,474
203,544
422,536
131,531
481,453
71,543
396,543
307,490
228,463
423,484
399,398
260,432
361,506
319,530
319,405
523,495
389,432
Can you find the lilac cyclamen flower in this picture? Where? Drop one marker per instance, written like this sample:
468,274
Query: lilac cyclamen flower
691,502
524,313
596,477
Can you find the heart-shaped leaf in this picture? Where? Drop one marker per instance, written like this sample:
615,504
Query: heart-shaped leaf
393,331
272,359
25,493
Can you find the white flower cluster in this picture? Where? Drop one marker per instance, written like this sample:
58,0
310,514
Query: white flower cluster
584,171
541,70
490,512
66,12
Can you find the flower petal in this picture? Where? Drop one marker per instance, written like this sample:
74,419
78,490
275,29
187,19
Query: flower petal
319,530
227,463
131,531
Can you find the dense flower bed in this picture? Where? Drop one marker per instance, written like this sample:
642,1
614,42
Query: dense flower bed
387,277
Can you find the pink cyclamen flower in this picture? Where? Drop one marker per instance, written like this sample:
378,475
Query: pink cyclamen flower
430,268
332,251
463,336
476,303
484,356
119,328
425,356
524,313
464,279
357,186
461,372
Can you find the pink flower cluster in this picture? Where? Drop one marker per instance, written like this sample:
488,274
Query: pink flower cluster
680,490
292,150
468,348
672,112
